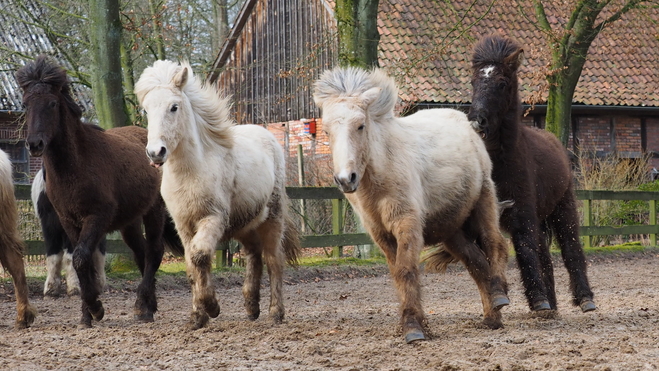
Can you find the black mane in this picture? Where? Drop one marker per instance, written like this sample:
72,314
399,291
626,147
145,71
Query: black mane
45,76
493,49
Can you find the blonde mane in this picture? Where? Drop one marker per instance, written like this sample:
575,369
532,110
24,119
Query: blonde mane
211,109
351,82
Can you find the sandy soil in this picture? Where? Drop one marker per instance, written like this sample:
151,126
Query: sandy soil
346,319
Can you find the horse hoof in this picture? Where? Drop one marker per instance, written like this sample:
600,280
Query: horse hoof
541,306
197,320
84,325
587,305
211,307
414,335
500,301
99,313
144,318
73,292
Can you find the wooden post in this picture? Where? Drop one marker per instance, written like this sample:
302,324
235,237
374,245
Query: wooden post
653,221
587,220
300,178
337,224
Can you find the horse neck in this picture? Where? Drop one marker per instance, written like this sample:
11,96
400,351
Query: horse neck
191,153
64,150
506,140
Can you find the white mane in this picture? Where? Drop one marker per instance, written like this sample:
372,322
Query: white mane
352,82
209,106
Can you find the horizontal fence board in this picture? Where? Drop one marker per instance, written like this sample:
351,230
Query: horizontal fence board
336,240
616,195
314,193
623,230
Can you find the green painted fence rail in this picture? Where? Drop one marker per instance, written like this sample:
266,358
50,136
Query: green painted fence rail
337,239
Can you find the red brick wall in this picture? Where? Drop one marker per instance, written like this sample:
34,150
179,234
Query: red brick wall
594,134
628,136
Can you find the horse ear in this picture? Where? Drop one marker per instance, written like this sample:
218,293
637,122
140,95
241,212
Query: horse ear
515,60
370,95
181,78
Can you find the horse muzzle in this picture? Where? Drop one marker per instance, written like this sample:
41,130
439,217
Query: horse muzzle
36,147
347,184
157,157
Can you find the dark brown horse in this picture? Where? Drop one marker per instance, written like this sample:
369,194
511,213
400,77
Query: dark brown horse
98,182
532,169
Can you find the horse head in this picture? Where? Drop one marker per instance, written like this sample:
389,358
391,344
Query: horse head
352,101
494,81
166,107
47,101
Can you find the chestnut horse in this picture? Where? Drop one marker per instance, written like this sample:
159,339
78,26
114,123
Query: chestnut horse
98,182
417,180
532,169
11,244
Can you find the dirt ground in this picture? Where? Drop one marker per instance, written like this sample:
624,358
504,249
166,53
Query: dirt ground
345,318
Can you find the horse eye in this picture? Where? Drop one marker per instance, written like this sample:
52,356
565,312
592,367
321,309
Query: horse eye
361,127
52,104
502,85
174,108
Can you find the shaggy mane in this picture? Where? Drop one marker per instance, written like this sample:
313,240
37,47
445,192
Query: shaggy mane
493,49
44,76
351,82
210,108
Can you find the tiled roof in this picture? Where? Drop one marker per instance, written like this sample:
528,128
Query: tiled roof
25,39
431,61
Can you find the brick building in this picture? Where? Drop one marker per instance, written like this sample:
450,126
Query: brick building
277,49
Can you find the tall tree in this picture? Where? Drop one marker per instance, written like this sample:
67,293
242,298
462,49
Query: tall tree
569,43
105,36
357,22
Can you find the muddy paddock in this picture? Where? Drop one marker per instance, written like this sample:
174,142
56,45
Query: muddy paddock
345,318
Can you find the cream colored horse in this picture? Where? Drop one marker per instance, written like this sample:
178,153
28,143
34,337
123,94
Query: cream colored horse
220,181
417,180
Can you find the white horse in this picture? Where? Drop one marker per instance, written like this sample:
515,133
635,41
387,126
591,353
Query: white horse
417,180
220,181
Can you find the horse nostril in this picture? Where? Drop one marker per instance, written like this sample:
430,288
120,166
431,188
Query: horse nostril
353,177
482,121
162,152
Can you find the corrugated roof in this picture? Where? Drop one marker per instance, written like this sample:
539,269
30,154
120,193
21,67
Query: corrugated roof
26,40
431,58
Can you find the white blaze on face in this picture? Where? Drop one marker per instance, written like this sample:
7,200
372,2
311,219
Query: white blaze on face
343,155
487,71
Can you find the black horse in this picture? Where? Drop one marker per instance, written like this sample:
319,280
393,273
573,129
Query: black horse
532,169
59,249
98,182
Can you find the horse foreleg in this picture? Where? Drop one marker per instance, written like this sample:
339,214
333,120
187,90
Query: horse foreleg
198,258
525,241
565,223
405,272
547,269
88,239
12,259
271,233
54,274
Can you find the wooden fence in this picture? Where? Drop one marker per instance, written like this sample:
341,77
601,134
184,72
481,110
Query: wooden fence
338,239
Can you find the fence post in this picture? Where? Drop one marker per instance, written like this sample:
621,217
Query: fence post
337,224
653,221
587,220
300,179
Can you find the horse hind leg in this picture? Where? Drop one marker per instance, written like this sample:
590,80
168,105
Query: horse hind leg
547,267
253,249
271,233
12,259
54,274
564,223
475,260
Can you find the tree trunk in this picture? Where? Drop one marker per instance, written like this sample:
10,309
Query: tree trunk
156,20
105,32
358,32
129,83
221,17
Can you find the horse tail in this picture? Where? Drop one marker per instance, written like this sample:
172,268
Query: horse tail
291,240
10,239
171,238
438,259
